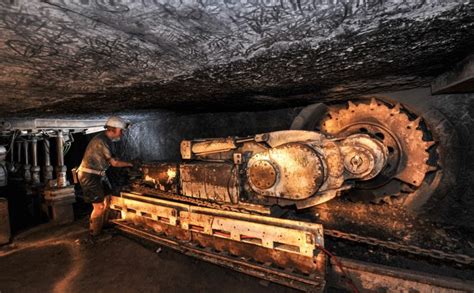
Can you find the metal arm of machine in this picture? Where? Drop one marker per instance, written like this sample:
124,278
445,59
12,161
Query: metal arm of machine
289,167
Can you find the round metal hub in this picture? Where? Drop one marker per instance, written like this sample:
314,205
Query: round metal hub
358,161
262,174
389,140
292,171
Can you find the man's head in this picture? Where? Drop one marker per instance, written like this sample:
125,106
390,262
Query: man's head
115,126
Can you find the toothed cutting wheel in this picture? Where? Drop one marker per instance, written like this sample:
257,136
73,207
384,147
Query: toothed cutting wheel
408,152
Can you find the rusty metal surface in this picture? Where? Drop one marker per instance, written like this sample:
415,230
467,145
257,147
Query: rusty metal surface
283,235
284,267
240,207
272,236
278,138
253,239
185,148
250,212
210,149
400,132
281,259
213,146
297,167
359,147
218,255
262,174
161,176
212,181
334,179
364,157
365,276
300,167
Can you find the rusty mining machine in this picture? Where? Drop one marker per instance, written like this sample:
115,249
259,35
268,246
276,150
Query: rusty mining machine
219,202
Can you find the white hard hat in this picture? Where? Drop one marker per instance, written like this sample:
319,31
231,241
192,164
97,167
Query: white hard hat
117,122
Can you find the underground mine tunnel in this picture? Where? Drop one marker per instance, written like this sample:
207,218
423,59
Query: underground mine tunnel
210,146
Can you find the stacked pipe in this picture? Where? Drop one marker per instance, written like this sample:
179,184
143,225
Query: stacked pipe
3,168
59,200
35,169
47,168
26,165
18,154
61,169
24,157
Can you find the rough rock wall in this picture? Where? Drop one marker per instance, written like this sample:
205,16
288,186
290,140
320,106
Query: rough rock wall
80,56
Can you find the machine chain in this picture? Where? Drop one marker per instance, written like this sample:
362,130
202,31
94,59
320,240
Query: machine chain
433,253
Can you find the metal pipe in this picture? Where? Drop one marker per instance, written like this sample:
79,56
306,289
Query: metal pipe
26,166
46,152
12,165
35,169
12,153
3,153
34,151
60,148
47,169
26,157
61,169
3,171
17,164
18,154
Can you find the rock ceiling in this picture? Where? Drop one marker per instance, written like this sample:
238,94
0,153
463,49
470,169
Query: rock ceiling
83,56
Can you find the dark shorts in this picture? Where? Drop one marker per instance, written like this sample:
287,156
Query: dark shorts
93,189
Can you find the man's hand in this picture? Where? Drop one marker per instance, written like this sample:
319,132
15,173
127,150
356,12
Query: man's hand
119,164
136,164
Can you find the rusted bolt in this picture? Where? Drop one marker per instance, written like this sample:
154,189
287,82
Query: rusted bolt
356,161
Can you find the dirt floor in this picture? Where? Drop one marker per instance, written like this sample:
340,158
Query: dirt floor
53,259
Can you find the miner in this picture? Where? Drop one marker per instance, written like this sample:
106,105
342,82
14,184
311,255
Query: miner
91,173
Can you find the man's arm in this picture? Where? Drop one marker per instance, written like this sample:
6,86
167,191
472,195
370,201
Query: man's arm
113,162
119,164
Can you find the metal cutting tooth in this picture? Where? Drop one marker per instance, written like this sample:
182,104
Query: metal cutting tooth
373,103
415,123
396,109
429,144
351,105
432,168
